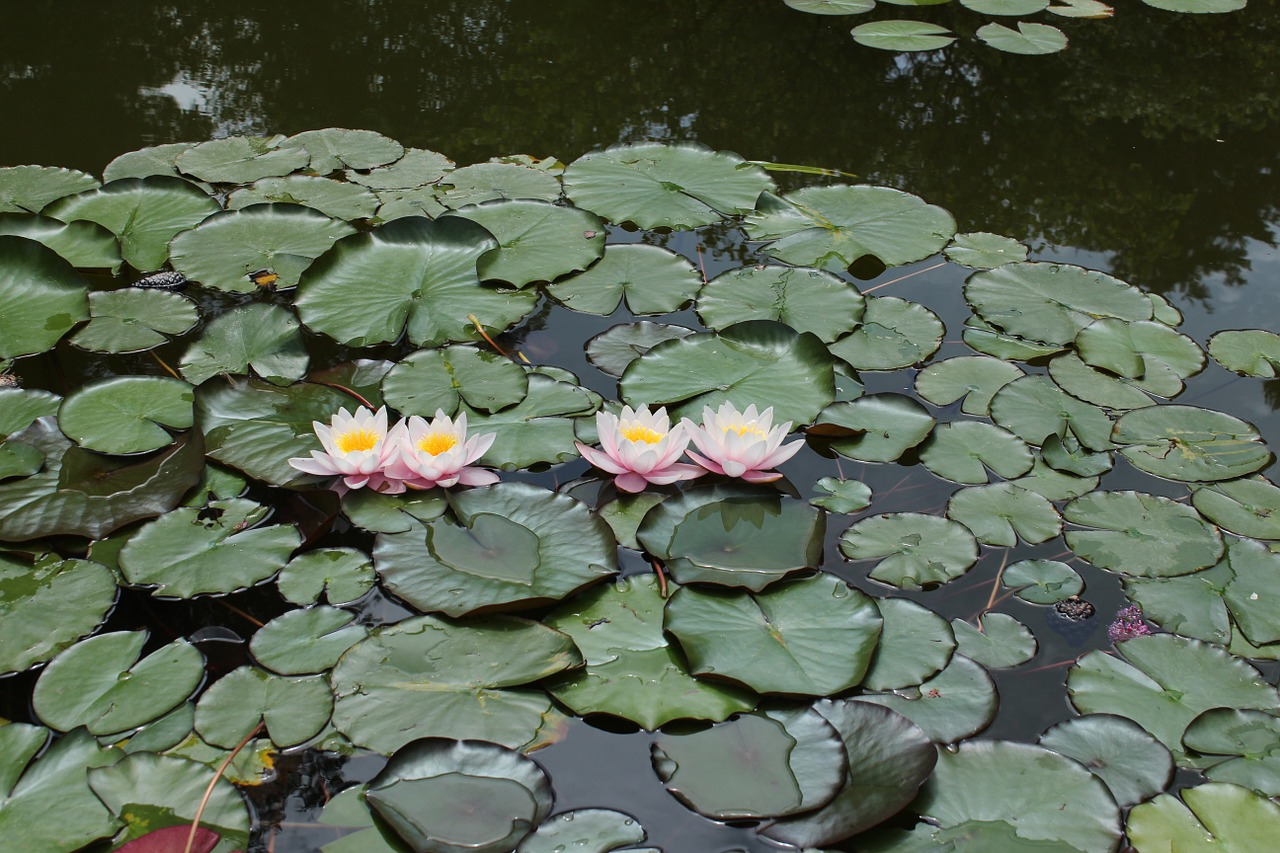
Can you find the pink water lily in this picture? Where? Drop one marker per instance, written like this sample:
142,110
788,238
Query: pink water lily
438,453
355,448
639,448
741,444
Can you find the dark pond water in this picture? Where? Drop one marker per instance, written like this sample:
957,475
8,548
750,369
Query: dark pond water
1149,149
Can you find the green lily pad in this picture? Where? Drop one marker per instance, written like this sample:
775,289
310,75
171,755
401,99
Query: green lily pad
1186,443
831,7
101,684
807,300
460,796
915,644
985,338
1252,591
144,213
127,414
1042,581
843,497
1097,387
380,513
780,640
537,240
612,351
759,361
340,575
1190,605
894,333
1002,513
1081,9
1134,765
337,199
651,279
348,810
293,709
266,338
770,764
874,428
133,320
1055,485
902,35
1028,39
439,378
981,250
624,514
307,641
218,549
145,162
150,791
1249,352
241,159
226,248
963,452
1250,738
1033,408
1049,302
511,544
1140,534
20,406
681,185
1198,6
48,605
30,189
41,297
497,181
53,784
417,168
413,274
831,227
632,671
82,493
430,677
999,641
335,148
538,429
1210,818
973,378
958,702
587,831
1142,350
1163,682
916,549
81,244
1248,506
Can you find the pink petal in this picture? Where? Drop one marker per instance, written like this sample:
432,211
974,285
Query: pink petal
674,473
630,481
600,460
761,476
477,477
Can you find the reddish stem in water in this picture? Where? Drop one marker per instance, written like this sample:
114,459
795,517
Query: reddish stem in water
208,792
345,390
662,578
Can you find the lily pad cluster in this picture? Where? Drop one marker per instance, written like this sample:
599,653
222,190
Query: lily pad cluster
779,642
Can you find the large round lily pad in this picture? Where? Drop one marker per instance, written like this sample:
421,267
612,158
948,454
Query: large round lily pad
1250,352
1190,444
1209,818
241,159
917,549
974,379
1134,765
302,642
653,280
46,607
127,414
538,429
1002,513
963,451
41,297
266,338
1249,506
337,199
958,702
432,379
29,189
915,644
1140,534
874,428
132,319
807,300
334,148
893,333
537,240
293,710
81,244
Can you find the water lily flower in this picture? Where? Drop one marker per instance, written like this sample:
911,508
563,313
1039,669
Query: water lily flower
355,448
438,453
639,447
741,444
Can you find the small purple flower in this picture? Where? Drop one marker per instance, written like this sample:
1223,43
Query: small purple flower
1127,624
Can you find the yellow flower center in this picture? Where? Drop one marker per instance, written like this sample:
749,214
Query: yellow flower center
744,429
356,438
436,443
640,432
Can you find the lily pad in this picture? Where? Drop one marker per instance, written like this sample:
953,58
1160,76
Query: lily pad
127,414
1028,39
632,671
1033,408
1250,738
831,7
340,575
1249,352
770,764
916,549
998,641
133,320
973,378
241,159
981,250
874,428
41,297
81,244
915,644
145,162
101,684
439,378
1042,581
759,361
956,703
226,248
293,709
307,641
20,406
413,274
144,213
807,300
963,451
460,796
1210,818
337,199
537,240
612,351
902,35
497,181
430,677
49,605
831,227
417,168
1198,6
986,338
335,148
507,544
843,497
651,279
380,513
894,333
1190,444
1098,387
30,189
1140,534
652,184
587,831
1142,350
538,429
780,640
218,549
266,338
1134,765
1002,513
1248,506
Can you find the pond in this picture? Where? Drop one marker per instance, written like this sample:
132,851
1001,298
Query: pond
1028,517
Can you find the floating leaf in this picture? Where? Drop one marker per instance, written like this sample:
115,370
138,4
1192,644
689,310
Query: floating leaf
241,159
81,244
418,167
1249,352
127,414
133,320
1210,818
335,148
999,641
341,575
1028,39
963,451
985,338
30,189
831,227
439,378
915,644
293,709
1042,581
894,333
807,300
1095,386
1141,534
145,162
613,350
983,251
1249,506
588,831
1198,6
843,497
266,338
41,297
1142,350
881,427
780,640
302,642
20,406
831,7
902,35
1190,444
379,513
956,703
46,607
653,280
537,240
1251,739
917,549
1002,513
974,378
681,185
497,181
1033,408
538,429
1134,765
337,199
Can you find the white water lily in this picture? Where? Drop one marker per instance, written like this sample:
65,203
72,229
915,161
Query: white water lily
438,453
355,448
639,448
745,445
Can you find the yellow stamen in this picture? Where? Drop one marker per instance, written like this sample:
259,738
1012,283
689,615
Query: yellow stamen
356,438
743,429
640,432
436,443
